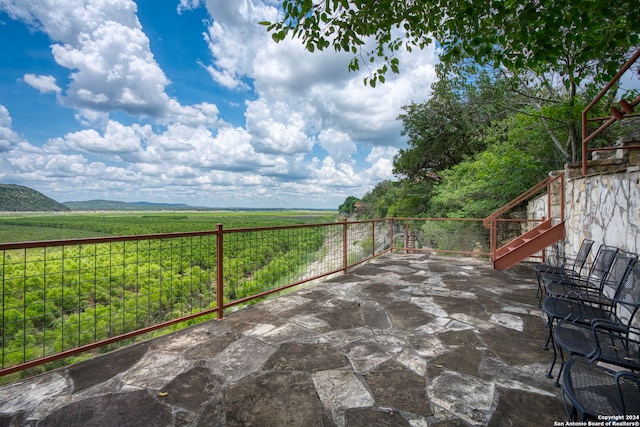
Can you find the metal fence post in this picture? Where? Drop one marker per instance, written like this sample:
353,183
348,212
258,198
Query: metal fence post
219,274
406,238
373,238
391,222
344,246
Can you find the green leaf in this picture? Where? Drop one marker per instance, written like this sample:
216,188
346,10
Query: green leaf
395,65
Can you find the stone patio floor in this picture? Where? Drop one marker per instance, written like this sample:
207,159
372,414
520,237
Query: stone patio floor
403,340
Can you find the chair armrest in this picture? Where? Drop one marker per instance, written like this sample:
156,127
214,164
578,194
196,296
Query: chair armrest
628,384
616,343
589,297
627,374
609,325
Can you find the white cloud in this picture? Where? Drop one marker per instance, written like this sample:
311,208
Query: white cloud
313,133
114,69
381,161
92,118
44,84
117,140
202,114
315,88
338,144
103,44
332,175
234,36
276,129
189,5
8,137
287,68
65,20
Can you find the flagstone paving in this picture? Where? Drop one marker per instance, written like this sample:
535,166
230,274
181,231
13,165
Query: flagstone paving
403,340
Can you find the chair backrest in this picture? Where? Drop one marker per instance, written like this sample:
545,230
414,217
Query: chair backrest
582,255
601,265
627,297
618,272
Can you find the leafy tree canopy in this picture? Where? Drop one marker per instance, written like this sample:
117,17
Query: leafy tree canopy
553,35
348,207
450,125
516,158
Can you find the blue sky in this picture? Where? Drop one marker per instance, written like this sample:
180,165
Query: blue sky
189,102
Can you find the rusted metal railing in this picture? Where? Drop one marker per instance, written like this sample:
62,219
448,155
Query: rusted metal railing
605,122
63,297
494,221
451,236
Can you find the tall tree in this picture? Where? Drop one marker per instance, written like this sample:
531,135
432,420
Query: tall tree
449,126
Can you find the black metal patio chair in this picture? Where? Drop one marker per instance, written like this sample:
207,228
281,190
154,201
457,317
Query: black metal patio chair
563,266
584,307
608,340
607,288
559,307
591,391
559,284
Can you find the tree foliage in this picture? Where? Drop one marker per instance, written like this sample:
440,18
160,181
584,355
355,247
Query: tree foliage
553,35
376,203
451,124
396,199
512,152
349,206
516,158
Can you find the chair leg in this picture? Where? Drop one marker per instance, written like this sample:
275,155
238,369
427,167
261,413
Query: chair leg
539,291
555,353
553,364
557,381
550,337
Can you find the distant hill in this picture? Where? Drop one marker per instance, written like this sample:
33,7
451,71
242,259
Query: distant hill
17,198
114,205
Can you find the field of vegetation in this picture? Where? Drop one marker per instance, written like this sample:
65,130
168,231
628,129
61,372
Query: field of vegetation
61,297
51,226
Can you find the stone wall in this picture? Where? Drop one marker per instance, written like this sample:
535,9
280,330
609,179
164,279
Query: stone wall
537,208
603,205
604,208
